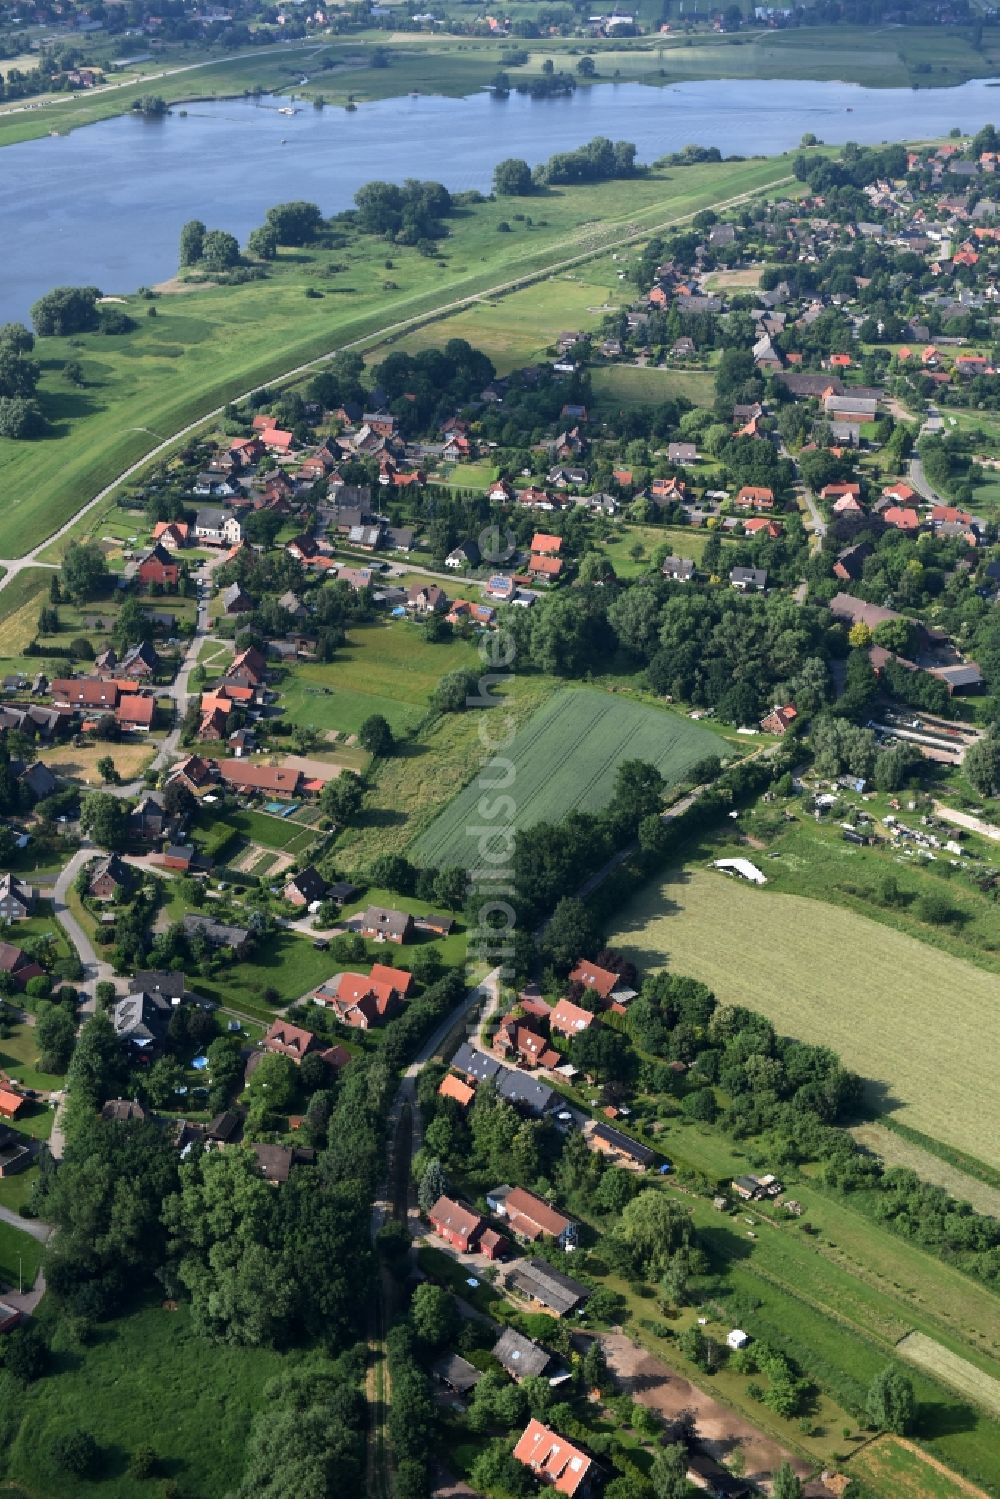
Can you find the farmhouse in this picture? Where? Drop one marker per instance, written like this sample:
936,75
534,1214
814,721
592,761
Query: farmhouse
530,1218
271,780
519,1356
459,1226
537,1280
15,961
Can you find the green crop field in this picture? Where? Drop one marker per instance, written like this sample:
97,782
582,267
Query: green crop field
565,757
952,1370
922,1026
206,346
387,668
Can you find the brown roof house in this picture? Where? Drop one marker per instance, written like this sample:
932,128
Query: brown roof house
109,877
385,926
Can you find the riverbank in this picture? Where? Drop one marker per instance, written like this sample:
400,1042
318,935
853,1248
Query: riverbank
145,389
339,69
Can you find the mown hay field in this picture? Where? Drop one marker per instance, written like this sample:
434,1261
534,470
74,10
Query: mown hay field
951,1369
922,1027
565,758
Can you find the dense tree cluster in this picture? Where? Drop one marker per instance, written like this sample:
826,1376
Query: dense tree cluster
411,214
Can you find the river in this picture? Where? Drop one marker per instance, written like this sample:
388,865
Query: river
104,204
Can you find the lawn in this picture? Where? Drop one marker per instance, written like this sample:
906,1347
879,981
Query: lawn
565,758
684,541
211,345
386,668
830,976
20,1257
286,963
624,387
258,827
19,1059
147,1378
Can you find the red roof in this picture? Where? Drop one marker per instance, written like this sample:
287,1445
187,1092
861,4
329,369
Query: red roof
136,710
531,1217
543,542
595,978
453,1087
569,1018
551,567
904,518
553,1459
10,1102
399,979
454,1218
288,1040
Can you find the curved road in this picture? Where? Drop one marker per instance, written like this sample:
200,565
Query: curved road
14,565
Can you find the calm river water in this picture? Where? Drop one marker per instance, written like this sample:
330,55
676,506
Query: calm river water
104,205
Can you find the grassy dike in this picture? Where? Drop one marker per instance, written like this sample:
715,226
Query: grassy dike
208,346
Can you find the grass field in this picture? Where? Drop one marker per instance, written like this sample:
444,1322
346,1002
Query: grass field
683,541
519,329
898,1469
894,1150
20,1257
565,757
623,387
80,764
208,346
147,1378
386,668
827,975
952,1370
20,603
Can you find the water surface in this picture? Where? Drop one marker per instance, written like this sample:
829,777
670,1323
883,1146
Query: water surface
105,204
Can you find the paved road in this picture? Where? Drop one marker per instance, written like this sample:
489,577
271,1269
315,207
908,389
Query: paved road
95,969
966,820
32,1226
818,523
623,236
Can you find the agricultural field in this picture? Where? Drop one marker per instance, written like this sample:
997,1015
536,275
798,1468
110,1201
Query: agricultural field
952,1370
831,976
894,1150
565,757
623,387
896,1467
204,1396
387,667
